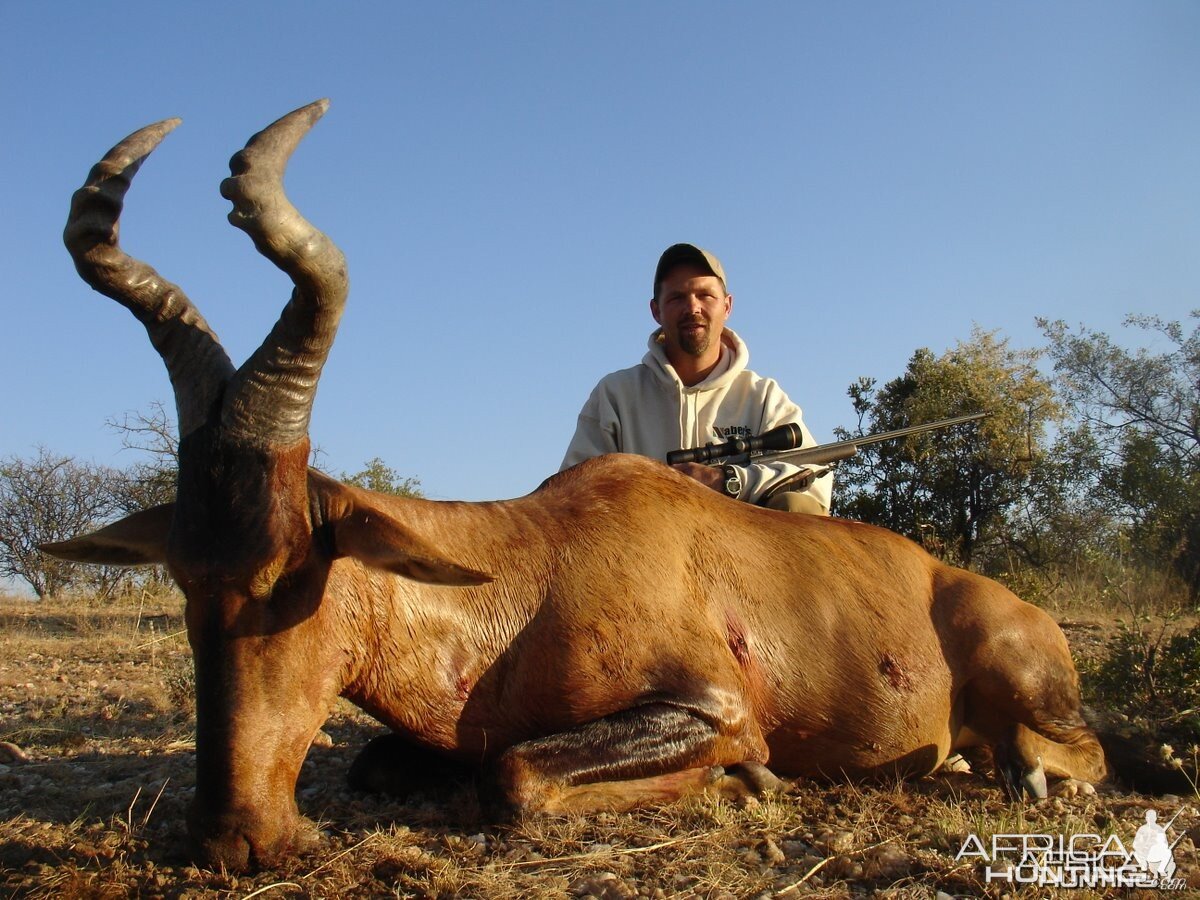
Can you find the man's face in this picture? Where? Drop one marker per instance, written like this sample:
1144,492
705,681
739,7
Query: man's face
692,308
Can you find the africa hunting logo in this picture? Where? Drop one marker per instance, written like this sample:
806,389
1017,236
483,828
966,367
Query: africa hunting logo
1081,860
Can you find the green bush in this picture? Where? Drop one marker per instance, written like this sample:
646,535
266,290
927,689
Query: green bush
1152,677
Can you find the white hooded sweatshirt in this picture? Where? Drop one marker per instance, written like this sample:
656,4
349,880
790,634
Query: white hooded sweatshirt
648,410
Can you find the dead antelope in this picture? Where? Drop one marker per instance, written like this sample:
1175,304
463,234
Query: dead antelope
618,637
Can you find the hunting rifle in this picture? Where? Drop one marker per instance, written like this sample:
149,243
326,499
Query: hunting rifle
782,443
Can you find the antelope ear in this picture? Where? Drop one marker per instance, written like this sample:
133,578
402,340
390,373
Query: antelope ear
137,540
379,541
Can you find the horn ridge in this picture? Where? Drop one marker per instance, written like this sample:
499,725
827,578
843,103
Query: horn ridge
270,398
196,363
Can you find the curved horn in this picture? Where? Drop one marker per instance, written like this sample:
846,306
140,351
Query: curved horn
271,396
196,363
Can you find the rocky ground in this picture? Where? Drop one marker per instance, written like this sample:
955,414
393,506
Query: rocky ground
96,769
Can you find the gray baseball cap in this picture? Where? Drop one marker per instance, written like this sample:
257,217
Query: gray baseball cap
687,253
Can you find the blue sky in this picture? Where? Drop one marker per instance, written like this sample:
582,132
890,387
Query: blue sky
876,177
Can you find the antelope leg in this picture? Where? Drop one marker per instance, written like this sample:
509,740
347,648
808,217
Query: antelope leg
654,753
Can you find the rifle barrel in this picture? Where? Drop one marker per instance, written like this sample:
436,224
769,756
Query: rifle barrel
916,429
823,454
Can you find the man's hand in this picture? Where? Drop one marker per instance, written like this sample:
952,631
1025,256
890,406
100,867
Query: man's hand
709,476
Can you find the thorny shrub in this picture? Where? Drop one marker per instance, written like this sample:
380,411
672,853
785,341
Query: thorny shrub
1152,677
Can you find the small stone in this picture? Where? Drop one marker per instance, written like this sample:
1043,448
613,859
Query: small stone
888,861
840,841
750,857
771,853
844,867
794,849
604,885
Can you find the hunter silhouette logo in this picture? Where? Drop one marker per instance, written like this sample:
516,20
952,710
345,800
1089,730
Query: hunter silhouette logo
1081,860
1152,849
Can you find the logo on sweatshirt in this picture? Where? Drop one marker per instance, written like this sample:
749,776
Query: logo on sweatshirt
732,432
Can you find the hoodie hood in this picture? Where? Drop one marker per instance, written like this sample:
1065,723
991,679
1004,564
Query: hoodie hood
734,360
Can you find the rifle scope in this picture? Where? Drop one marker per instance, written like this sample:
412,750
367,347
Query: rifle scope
785,437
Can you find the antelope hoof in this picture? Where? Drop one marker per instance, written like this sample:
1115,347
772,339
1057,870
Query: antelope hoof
745,782
1033,782
1019,783
758,778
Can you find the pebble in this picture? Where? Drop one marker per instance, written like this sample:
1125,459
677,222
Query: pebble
808,860
751,857
606,885
771,853
838,841
794,849
888,861
845,867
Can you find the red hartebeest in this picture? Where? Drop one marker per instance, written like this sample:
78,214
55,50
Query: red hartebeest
620,636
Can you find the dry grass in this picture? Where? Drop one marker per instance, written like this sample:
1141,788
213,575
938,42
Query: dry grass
1103,591
96,697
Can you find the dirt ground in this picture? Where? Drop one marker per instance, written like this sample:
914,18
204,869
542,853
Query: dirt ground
96,770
